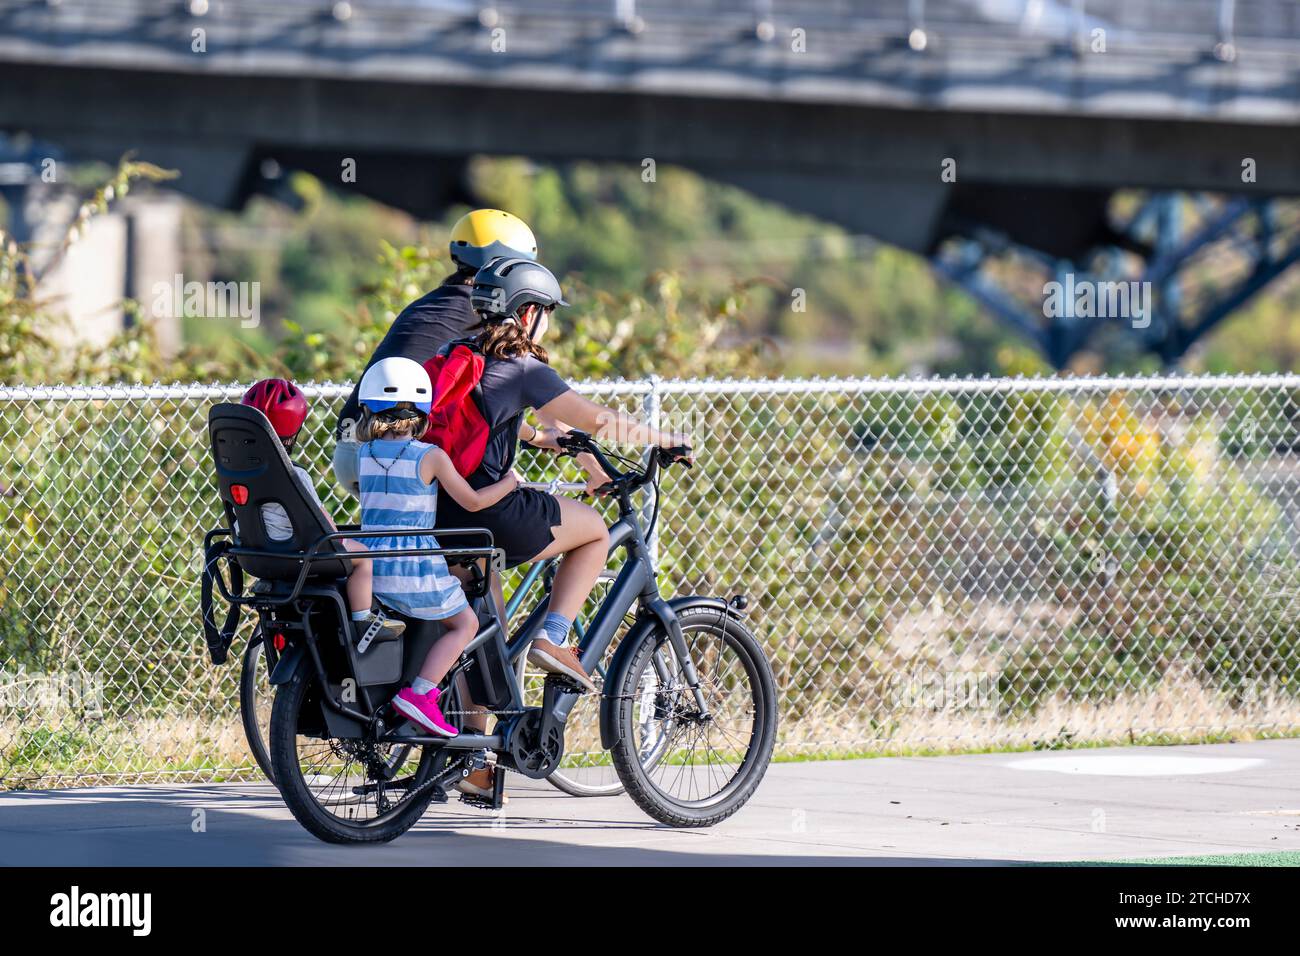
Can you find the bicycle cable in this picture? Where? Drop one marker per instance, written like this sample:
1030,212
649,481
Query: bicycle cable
633,463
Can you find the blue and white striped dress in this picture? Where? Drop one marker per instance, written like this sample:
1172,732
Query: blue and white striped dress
394,496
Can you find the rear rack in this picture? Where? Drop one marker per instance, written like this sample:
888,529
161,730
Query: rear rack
495,556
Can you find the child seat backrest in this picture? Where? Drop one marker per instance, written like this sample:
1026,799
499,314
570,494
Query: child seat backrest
253,470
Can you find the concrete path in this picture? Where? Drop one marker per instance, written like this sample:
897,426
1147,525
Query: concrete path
1107,804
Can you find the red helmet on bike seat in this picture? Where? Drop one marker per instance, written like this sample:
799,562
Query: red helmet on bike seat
281,402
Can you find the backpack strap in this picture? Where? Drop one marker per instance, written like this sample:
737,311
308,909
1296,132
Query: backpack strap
471,344
476,393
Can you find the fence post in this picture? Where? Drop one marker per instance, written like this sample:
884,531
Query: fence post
650,410
1226,47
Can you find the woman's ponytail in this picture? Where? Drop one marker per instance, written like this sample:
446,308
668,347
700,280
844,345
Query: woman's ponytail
507,340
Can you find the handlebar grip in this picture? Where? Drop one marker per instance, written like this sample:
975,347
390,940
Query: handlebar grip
554,487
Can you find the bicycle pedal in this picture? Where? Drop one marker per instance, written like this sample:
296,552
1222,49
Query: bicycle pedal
408,729
565,682
479,803
498,798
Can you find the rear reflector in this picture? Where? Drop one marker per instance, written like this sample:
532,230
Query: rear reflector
278,642
239,493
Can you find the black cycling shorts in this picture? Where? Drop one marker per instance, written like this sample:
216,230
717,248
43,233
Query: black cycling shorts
520,522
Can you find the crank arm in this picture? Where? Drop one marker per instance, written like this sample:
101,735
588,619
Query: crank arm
402,783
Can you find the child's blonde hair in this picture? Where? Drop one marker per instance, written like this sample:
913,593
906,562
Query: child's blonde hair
387,425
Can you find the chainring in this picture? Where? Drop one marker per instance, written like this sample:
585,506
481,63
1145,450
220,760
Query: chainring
533,753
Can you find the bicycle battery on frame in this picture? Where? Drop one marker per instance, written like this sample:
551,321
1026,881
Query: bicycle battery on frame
487,669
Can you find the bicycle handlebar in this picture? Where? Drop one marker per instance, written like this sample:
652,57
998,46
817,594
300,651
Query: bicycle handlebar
577,442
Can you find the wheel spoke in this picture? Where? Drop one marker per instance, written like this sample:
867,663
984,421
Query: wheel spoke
698,759
349,779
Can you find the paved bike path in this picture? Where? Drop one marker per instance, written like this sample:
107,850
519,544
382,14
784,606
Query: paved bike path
1105,804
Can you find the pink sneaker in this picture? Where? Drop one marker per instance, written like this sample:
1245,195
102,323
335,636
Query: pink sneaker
424,711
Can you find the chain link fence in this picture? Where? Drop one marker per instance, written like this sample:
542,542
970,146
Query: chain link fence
933,565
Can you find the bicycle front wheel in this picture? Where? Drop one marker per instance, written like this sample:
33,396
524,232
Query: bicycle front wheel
683,766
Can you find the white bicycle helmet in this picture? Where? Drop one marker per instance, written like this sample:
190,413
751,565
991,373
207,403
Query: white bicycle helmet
393,380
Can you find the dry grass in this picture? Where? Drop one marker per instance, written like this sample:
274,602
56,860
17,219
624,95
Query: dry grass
202,749
1179,709
153,749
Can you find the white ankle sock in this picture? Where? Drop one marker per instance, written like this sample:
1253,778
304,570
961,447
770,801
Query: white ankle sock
422,686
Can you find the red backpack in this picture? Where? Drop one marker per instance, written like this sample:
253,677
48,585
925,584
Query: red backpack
456,424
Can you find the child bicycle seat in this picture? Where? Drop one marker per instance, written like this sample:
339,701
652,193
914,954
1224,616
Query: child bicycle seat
253,470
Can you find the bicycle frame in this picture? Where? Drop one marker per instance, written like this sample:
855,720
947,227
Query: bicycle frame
635,584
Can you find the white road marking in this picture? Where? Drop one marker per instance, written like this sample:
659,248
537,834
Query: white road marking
1138,765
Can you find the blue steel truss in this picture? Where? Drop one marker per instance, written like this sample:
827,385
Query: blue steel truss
1197,277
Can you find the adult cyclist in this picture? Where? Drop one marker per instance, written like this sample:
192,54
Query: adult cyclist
441,316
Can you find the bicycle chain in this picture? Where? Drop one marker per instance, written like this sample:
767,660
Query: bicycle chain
419,791
513,713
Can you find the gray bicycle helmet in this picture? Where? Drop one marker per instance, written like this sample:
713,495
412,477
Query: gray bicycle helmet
506,285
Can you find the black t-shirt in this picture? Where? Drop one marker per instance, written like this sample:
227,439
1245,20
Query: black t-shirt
508,388
422,328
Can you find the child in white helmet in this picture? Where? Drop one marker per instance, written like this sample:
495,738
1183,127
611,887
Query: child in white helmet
399,479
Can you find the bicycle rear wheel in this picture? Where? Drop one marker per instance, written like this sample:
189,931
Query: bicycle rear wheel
707,765
345,790
587,769
255,698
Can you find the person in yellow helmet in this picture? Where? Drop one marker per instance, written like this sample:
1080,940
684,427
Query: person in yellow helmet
487,234
438,317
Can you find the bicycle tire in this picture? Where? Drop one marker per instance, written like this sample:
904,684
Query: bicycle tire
251,671
640,780
298,794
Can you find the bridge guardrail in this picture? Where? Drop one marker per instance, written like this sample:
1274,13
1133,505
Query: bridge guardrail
1201,24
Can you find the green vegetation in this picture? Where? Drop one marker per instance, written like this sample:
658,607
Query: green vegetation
29,349
682,276
954,510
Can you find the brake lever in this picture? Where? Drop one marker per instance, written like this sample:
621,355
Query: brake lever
676,455
574,442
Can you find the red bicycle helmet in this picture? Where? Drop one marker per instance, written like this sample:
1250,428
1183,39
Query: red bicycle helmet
281,402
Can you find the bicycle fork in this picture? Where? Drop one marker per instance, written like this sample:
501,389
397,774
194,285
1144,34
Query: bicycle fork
677,639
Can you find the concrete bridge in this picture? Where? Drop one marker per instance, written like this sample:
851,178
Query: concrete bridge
1036,110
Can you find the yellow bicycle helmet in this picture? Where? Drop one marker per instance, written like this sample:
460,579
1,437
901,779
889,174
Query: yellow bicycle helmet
485,234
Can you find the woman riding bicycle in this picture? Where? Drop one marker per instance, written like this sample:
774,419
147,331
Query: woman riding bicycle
514,298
